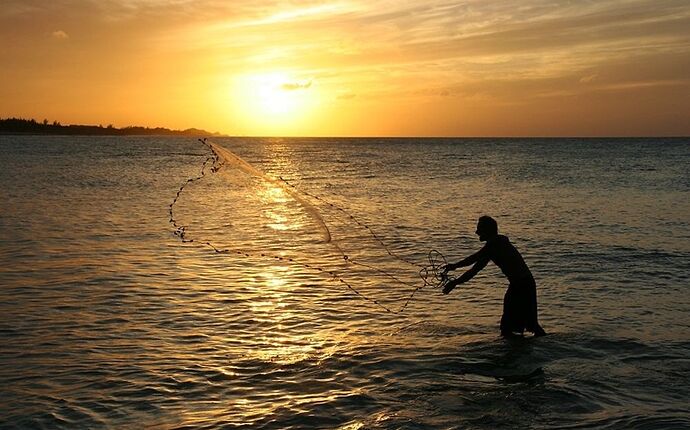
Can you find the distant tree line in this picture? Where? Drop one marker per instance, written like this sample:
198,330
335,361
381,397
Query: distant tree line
31,126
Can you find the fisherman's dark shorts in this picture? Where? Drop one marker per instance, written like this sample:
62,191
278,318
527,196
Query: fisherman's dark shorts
520,307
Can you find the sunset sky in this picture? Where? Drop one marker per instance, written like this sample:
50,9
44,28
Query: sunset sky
352,67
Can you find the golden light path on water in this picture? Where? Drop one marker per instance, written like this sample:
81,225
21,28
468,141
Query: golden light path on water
273,196
273,304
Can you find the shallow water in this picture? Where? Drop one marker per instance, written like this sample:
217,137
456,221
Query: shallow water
109,320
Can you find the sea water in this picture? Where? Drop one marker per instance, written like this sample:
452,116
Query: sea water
108,320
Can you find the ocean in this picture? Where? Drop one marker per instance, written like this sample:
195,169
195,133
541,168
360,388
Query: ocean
257,320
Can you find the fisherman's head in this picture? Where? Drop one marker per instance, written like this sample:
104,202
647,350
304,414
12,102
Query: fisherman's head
487,228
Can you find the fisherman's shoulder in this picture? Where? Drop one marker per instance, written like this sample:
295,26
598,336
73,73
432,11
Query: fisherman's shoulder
499,239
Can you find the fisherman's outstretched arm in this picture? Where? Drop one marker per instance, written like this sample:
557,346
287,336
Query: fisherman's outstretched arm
478,266
467,261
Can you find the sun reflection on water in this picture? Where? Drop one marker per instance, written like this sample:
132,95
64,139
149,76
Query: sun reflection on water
277,209
279,344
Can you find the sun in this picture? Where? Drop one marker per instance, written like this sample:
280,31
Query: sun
274,99
275,103
269,96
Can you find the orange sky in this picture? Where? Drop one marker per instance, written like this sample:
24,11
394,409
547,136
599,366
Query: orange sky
352,67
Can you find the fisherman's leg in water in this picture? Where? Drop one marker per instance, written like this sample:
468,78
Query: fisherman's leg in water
509,325
520,310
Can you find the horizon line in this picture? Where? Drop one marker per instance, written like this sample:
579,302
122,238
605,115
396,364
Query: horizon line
236,136
226,135
674,136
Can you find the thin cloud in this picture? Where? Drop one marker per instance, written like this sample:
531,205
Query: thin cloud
60,35
292,86
346,96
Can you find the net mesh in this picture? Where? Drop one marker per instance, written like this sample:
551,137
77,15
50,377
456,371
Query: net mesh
336,235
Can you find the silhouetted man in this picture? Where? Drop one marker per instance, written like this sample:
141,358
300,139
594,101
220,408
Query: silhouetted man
520,301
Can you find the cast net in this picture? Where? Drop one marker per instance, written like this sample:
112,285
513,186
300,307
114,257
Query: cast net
269,218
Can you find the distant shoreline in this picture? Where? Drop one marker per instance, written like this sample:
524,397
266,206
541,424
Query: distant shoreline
31,127
20,126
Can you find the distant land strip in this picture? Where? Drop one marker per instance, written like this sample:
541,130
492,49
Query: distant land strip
31,126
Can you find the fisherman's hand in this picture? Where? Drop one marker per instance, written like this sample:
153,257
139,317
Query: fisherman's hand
449,287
